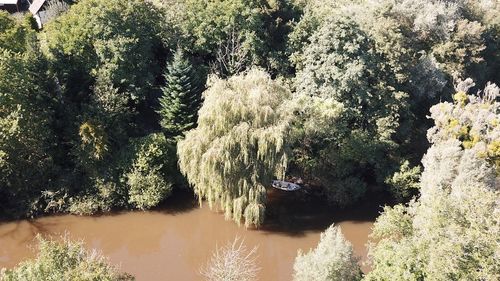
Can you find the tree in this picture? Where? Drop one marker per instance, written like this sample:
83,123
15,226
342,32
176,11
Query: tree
64,260
26,134
232,262
231,57
332,260
340,64
208,30
204,25
444,38
181,97
472,120
451,231
239,144
113,39
150,180
387,62
15,33
105,56
453,33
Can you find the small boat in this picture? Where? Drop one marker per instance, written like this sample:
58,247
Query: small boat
285,185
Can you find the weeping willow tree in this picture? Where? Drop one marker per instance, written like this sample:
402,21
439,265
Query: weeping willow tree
239,144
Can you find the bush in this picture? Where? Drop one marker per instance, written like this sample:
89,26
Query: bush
332,260
64,261
405,183
232,262
151,176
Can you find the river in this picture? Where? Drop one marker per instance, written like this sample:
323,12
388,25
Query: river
173,242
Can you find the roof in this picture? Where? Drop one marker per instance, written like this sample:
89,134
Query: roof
8,2
35,6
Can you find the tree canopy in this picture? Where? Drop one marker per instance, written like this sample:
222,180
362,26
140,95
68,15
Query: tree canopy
16,34
181,98
451,231
239,144
341,64
26,136
112,39
102,109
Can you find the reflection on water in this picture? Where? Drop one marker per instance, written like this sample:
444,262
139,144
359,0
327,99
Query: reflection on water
173,242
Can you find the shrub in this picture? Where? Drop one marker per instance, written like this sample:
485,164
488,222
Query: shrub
332,260
232,262
65,260
150,178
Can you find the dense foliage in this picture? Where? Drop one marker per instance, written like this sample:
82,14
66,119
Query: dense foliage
386,62
15,33
26,136
340,65
105,39
451,231
65,260
76,103
103,109
252,32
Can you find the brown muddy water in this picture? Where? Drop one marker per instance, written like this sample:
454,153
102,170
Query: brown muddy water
175,241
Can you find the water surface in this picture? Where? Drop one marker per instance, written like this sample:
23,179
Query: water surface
174,242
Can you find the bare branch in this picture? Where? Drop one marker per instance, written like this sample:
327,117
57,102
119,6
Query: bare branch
232,262
231,56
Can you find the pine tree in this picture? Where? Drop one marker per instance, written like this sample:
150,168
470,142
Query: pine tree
181,97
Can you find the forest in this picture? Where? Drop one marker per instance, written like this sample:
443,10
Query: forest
115,105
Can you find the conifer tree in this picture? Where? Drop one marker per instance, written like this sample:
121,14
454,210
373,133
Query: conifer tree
181,97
